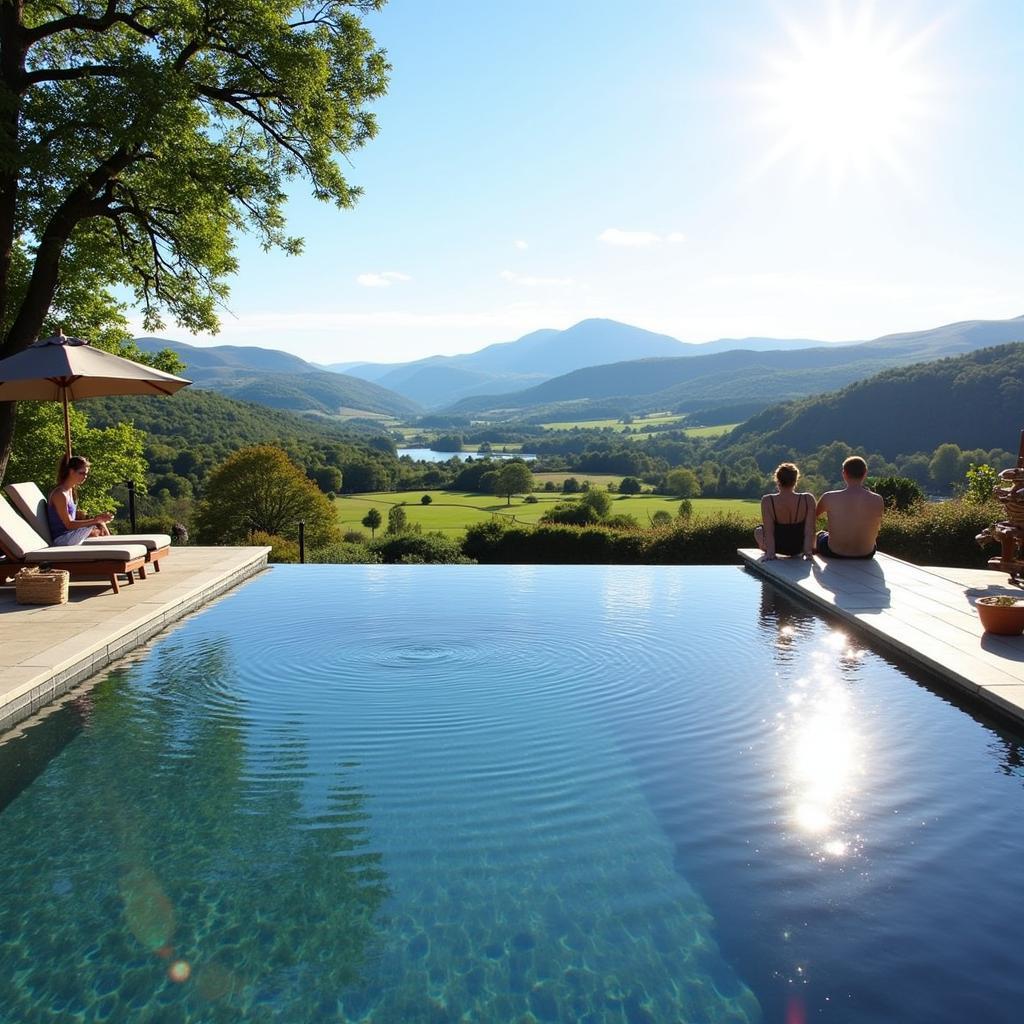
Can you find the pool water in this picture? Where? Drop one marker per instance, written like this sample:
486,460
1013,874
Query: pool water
531,793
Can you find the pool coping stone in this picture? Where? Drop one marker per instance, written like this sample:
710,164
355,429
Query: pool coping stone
925,613
46,650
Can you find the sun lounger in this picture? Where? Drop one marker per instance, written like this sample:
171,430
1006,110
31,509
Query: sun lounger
21,546
31,503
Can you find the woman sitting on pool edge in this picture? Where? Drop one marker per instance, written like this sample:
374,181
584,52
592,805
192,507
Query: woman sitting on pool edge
788,517
66,528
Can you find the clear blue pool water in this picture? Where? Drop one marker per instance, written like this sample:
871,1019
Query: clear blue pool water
431,793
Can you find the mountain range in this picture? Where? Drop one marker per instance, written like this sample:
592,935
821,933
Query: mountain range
282,381
511,366
736,378
976,400
724,380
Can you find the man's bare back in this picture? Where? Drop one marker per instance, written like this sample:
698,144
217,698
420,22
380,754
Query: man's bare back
854,519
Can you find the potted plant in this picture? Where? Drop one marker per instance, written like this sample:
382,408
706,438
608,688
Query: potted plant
1003,615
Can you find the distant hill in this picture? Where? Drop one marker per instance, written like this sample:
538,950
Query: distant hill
536,357
726,378
282,381
201,417
975,400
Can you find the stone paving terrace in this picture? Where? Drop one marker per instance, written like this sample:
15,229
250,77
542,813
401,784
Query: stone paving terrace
45,650
926,614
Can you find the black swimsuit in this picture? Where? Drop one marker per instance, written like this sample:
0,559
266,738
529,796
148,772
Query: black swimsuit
789,537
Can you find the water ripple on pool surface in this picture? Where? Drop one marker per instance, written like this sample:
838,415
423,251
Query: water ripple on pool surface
379,794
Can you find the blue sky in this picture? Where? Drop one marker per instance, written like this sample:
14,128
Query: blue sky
743,167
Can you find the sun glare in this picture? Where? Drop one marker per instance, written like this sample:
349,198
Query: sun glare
847,99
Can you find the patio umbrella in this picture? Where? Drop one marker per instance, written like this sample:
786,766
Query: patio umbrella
66,369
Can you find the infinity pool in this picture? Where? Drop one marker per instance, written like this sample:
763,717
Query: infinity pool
496,794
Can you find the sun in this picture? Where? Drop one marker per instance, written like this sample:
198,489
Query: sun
849,98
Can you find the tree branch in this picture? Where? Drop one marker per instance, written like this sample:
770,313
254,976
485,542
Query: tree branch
107,20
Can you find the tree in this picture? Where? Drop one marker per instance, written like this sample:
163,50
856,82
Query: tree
980,481
398,521
426,499
328,478
513,478
630,485
944,467
371,521
261,489
570,485
898,492
683,483
138,139
598,501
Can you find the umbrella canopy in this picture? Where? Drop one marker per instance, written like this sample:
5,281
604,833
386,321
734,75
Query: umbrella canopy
66,369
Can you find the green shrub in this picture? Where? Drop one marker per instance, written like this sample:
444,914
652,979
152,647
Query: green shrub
700,540
898,492
712,541
343,554
979,483
572,513
282,549
940,533
621,521
419,547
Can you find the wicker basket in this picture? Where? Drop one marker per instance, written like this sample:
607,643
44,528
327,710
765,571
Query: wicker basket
41,586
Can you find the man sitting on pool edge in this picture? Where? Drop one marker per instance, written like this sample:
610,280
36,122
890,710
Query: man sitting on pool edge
854,515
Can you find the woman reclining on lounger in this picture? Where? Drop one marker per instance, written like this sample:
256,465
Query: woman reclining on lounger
66,526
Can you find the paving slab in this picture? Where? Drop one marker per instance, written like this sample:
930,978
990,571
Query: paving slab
45,650
926,613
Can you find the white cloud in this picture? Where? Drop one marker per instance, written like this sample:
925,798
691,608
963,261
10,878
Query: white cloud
384,280
520,244
637,239
527,281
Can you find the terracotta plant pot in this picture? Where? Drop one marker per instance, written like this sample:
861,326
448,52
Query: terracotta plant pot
1002,615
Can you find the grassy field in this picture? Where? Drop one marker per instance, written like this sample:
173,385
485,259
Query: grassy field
596,479
452,511
716,431
667,420
662,420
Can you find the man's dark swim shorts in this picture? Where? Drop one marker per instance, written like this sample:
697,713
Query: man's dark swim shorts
821,546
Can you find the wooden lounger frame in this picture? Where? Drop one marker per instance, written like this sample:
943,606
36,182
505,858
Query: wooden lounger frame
100,568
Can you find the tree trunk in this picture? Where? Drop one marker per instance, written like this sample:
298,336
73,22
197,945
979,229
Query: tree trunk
8,410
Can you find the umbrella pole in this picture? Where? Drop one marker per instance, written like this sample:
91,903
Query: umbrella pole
67,422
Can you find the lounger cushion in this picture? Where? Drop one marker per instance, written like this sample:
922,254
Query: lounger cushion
16,535
150,541
31,503
87,553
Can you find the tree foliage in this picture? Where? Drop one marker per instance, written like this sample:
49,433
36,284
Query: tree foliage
115,453
259,489
513,478
898,492
372,521
138,139
683,483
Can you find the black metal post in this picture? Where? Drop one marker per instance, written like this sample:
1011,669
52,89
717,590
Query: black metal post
302,541
130,484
